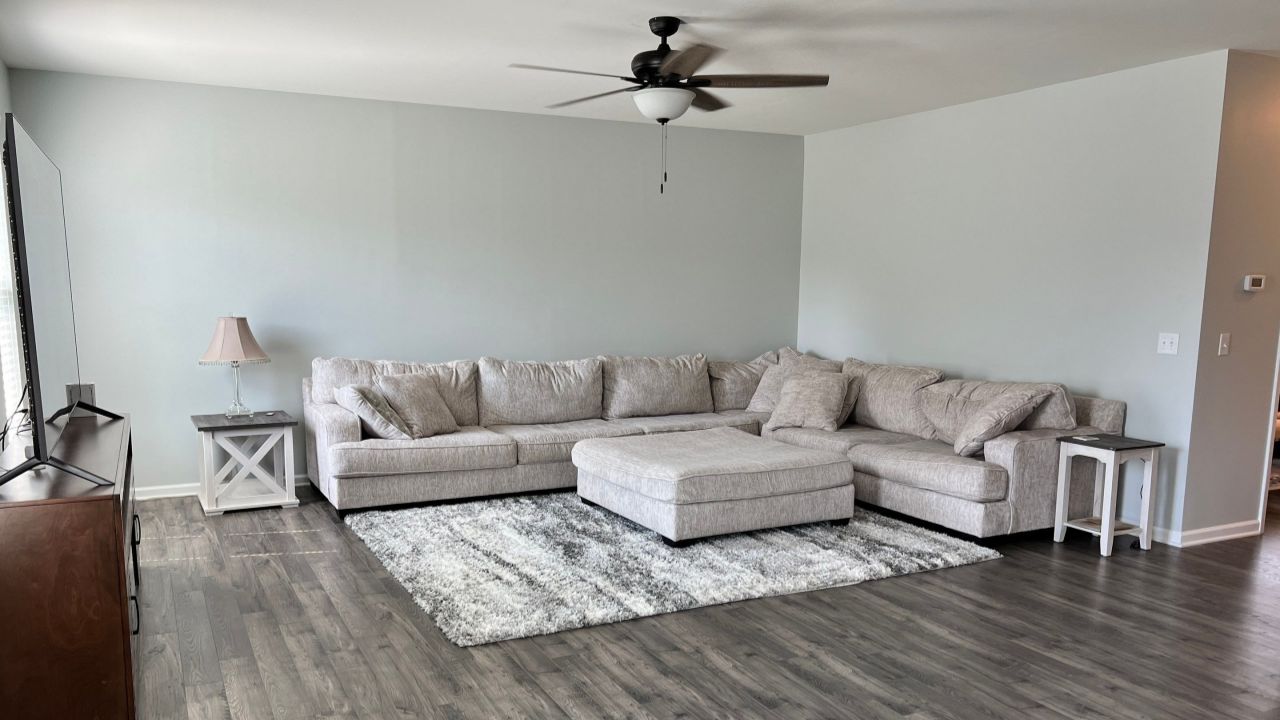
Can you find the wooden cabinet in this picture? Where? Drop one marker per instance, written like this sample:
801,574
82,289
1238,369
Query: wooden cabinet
68,581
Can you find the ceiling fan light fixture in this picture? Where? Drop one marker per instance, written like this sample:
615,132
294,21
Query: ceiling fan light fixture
663,103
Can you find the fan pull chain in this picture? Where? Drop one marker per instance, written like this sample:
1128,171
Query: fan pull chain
662,185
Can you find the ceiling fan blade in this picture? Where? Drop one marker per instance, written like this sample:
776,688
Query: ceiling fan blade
759,81
687,62
589,97
704,100
522,66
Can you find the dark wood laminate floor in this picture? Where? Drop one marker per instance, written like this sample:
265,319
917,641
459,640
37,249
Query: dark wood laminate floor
285,614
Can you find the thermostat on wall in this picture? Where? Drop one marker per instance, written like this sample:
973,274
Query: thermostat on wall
1254,283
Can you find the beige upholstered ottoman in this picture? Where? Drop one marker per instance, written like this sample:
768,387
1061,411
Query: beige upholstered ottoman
688,485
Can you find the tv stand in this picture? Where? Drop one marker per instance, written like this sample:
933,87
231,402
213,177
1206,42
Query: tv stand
32,463
56,464
88,408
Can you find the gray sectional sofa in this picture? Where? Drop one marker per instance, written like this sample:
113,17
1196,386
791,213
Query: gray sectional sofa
518,423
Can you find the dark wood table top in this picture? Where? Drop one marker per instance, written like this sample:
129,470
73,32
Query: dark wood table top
1103,441
263,419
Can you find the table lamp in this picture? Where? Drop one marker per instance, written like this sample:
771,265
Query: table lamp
233,344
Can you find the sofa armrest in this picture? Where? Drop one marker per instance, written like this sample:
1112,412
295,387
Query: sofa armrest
326,424
1031,459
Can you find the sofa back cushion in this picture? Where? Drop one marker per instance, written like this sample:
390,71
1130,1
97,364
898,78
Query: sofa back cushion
530,393
456,380
649,386
949,404
1106,415
888,397
733,383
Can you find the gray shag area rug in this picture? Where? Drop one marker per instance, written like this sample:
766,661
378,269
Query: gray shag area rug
520,566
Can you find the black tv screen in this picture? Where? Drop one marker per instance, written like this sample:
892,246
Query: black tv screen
38,240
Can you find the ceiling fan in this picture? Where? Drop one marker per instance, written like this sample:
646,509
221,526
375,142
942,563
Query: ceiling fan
665,82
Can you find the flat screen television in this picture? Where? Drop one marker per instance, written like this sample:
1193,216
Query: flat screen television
45,304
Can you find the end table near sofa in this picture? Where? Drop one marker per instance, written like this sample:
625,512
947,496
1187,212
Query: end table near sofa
246,461
1111,452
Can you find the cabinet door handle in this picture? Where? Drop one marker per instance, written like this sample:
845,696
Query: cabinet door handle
137,572
133,548
135,622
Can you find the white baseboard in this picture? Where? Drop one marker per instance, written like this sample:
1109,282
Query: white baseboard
1201,536
152,492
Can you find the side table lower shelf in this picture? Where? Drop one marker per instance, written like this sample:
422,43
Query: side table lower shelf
1093,526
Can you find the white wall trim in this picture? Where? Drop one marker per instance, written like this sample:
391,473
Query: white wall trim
152,492
1201,536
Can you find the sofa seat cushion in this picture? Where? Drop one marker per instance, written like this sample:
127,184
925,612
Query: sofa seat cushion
752,422
553,442
932,465
841,441
471,448
710,466
692,421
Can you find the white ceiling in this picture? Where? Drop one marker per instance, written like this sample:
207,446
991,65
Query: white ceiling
885,57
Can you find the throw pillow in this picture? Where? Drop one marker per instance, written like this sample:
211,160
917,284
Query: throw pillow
417,400
455,380
810,400
734,383
850,399
765,398
376,416
949,404
997,417
790,360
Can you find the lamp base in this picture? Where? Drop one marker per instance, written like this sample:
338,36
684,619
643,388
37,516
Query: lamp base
238,409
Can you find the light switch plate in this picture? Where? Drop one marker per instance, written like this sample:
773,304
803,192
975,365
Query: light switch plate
1224,344
1167,344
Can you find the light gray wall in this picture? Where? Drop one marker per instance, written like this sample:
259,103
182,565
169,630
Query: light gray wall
1234,397
4,88
373,229
1047,235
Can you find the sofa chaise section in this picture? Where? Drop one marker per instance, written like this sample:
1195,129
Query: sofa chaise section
1009,488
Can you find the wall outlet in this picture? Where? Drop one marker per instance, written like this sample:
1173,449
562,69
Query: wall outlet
86,393
1167,344
1224,344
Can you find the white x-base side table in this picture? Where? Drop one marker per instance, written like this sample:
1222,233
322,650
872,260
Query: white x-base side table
1111,452
246,461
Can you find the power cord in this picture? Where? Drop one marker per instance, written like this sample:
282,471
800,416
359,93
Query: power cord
20,410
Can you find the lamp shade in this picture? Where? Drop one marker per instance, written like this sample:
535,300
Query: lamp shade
663,103
233,343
